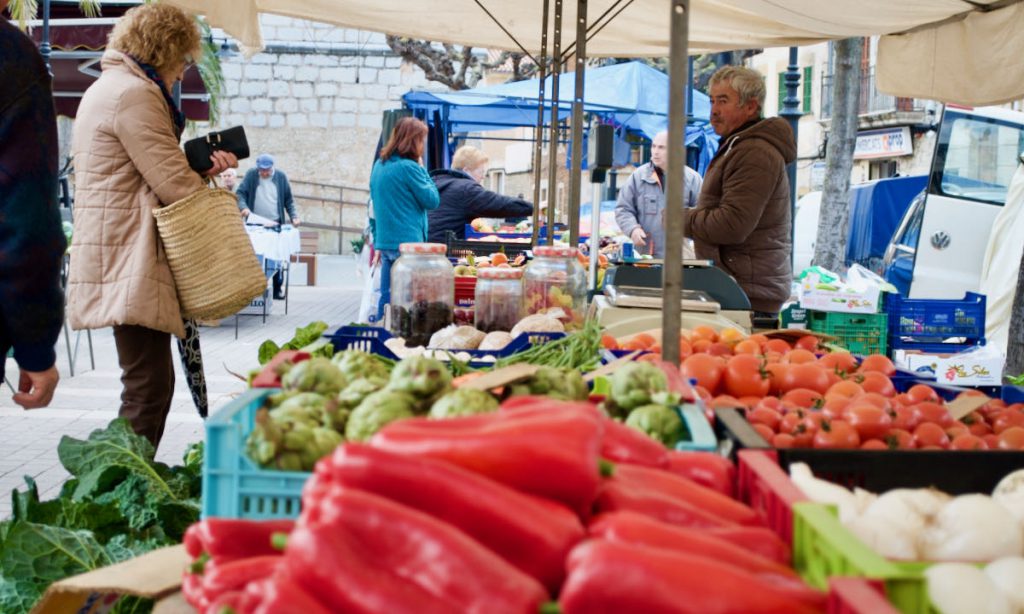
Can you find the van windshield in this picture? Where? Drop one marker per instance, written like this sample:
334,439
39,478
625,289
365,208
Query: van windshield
976,157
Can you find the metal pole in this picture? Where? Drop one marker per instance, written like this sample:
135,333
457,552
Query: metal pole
44,45
672,270
791,111
556,62
539,133
576,168
595,225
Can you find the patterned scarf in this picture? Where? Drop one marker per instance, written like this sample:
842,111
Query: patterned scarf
177,116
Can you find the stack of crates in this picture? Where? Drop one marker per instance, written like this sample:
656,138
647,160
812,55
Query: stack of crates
861,333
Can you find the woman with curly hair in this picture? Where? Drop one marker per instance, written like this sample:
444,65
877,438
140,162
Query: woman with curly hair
402,192
128,162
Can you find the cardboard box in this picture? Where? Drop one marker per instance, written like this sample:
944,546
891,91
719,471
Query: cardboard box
980,366
793,316
154,575
847,300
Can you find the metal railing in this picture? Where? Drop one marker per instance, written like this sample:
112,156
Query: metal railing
872,101
315,203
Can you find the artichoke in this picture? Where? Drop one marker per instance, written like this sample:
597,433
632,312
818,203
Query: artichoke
659,422
376,411
463,402
561,384
421,377
636,384
356,364
317,374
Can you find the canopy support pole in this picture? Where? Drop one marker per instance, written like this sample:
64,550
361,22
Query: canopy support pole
791,111
44,46
672,270
538,141
576,168
556,63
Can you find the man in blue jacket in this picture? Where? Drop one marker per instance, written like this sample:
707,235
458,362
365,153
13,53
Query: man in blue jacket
266,192
463,199
32,242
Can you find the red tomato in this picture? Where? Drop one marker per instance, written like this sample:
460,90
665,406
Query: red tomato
991,440
766,433
1012,438
719,348
922,392
957,429
750,402
707,370
745,377
845,388
842,362
1006,419
783,440
877,382
903,418
835,408
725,401
968,442
874,444
878,363
777,345
869,421
932,412
747,347
976,424
902,400
930,434
808,342
803,397
799,356
771,403
765,416
776,371
836,435
873,398
806,375
899,439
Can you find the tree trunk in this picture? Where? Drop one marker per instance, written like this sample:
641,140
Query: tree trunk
1015,343
834,219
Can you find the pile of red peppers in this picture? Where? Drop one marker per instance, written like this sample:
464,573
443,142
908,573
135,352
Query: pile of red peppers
544,506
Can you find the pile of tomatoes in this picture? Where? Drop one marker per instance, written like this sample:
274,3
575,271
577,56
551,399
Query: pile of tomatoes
800,396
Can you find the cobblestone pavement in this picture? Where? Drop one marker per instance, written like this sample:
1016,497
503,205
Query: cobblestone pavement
91,398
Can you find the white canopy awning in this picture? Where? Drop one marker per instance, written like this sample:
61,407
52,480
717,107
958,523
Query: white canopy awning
955,51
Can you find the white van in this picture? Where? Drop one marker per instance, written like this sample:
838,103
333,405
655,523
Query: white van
939,248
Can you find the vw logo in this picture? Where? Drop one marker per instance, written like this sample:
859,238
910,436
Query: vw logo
940,240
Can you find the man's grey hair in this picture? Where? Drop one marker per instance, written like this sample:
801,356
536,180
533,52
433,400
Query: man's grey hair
748,83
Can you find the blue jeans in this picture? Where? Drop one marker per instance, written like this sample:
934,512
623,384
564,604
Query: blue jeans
387,258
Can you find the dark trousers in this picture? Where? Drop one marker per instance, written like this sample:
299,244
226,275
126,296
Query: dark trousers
147,377
278,282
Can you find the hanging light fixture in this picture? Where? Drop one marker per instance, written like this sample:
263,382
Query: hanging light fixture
226,51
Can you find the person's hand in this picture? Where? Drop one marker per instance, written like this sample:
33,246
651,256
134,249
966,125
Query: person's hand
295,221
638,236
245,212
222,160
35,388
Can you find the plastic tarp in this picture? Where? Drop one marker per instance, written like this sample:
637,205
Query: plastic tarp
876,209
1002,263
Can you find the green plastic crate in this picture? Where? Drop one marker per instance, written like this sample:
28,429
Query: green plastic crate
824,548
861,333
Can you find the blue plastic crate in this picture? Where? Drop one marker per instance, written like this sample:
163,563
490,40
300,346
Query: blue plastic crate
472,233
1012,394
233,485
371,339
916,322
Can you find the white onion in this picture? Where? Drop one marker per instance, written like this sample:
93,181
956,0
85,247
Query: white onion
890,540
822,491
1007,574
959,588
972,528
1010,494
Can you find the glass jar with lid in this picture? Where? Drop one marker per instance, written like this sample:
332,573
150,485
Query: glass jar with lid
554,280
422,292
498,299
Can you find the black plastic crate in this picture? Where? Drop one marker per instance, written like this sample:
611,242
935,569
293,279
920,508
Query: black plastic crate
955,472
462,248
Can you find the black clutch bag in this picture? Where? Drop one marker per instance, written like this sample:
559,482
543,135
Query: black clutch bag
198,151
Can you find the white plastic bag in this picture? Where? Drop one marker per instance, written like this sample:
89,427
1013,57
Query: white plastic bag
371,295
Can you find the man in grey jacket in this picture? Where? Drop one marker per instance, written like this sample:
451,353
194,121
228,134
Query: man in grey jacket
266,192
640,212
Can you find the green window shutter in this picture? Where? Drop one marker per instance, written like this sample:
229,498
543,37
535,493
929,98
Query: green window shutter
782,91
808,76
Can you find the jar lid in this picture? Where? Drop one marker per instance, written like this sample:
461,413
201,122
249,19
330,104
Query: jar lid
422,248
498,272
556,251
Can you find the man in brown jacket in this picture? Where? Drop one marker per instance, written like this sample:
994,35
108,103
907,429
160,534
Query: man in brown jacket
742,221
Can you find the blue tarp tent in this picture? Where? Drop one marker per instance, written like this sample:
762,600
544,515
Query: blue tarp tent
632,95
876,209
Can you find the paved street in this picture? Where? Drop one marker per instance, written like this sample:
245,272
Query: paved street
90,399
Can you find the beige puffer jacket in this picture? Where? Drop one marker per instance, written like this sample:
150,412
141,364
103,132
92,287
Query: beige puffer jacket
127,163
742,220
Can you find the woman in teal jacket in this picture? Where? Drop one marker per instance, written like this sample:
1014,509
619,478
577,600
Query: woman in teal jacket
402,193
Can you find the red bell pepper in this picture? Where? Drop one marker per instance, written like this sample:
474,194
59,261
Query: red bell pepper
705,468
615,577
227,603
192,591
361,553
617,495
758,540
224,538
552,454
270,375
633,528
234,575
532,533
620,444
277,594
669,484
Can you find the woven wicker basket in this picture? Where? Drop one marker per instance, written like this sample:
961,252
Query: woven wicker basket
210,254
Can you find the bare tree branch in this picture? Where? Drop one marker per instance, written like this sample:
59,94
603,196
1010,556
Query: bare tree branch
456,66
